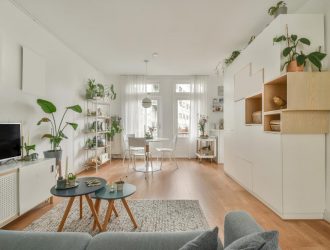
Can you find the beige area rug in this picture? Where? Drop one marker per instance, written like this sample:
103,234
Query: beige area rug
151,216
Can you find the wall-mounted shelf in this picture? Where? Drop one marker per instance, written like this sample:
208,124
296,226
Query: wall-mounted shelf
252,104
308,102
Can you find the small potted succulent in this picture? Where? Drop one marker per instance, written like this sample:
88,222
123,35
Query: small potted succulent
120,185
279,8
71,179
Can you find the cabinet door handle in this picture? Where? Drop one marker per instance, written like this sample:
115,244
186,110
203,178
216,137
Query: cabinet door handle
52,169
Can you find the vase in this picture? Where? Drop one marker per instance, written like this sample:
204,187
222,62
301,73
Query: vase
293,67
57,154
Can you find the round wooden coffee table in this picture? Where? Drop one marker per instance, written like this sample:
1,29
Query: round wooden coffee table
105,194
81,190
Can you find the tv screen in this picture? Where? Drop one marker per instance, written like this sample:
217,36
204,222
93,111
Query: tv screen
10,140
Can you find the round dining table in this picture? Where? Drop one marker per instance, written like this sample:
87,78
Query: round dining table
149,166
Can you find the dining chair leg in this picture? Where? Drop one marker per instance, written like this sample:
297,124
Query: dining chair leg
174,157
161,163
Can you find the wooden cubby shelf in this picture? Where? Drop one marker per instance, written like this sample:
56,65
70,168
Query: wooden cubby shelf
252,104
307,102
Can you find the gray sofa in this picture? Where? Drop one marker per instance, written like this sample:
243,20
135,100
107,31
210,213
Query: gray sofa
237,225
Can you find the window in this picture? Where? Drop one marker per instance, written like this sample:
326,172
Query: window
152,88
183,110
149,117
183,88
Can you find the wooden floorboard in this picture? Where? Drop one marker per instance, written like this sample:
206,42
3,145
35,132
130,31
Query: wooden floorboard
217,194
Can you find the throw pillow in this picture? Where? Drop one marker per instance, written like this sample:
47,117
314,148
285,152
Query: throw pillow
256,241
208,240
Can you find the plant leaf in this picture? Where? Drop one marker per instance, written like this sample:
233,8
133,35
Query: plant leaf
49,136
30,147
304,41
44,119
294,37
287,51
63,135
46,106
73,125
315,60
301,59
75,108
319,55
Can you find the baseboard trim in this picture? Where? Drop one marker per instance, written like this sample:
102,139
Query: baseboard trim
327,215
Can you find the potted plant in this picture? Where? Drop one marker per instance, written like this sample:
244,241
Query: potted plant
279,8
115,127
57,129
94,89
120,185
232,57
202,125
27,149
296,60
71,179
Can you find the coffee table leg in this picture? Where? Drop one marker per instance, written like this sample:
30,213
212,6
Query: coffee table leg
66,212
129,212
108,215
97,209
115,210
81,209
91,206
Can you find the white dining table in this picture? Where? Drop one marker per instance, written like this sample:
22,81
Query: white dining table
147,167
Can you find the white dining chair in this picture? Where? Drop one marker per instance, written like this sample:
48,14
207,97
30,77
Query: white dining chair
126,151
170,150
137,149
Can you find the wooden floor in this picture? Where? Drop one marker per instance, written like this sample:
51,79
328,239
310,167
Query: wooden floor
217,194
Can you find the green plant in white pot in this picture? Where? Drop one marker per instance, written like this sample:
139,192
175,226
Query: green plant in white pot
279,8
57,129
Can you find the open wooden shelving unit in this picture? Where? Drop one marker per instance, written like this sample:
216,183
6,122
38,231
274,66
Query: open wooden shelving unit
308,104
252,104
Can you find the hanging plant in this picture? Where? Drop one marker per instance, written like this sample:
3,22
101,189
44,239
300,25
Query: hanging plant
232,57
279,8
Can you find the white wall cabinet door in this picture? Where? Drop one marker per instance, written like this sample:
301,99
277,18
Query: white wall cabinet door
35,183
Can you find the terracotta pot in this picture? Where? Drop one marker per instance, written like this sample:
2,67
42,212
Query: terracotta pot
293,67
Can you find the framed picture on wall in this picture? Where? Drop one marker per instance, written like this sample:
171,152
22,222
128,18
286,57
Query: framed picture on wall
217,104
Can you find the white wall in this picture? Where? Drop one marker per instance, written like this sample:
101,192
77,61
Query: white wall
212,92
323,6
66,76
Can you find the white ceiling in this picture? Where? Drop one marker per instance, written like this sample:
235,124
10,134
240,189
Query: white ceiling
191,36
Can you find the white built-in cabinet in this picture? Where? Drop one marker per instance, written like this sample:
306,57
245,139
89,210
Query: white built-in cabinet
286,171
23,186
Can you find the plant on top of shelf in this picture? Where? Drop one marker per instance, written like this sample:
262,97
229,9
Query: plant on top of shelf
57,129
297,60
279,8
94,89
232,57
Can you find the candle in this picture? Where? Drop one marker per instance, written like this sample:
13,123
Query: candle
66,167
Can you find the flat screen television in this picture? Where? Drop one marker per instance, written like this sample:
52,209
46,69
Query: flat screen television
10,140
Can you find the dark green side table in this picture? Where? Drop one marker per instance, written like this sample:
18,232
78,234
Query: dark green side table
105,194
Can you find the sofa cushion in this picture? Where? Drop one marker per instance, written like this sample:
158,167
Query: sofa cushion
17,240
256,241
207,240
145,241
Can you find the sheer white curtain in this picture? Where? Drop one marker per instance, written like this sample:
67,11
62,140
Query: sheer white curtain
133,89
198,106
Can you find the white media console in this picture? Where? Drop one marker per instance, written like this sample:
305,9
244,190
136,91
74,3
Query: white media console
24,185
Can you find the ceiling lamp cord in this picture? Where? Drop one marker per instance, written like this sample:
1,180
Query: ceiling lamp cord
146,102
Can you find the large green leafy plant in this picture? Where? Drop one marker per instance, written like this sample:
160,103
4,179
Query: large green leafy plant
292,54
57,129
115,127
